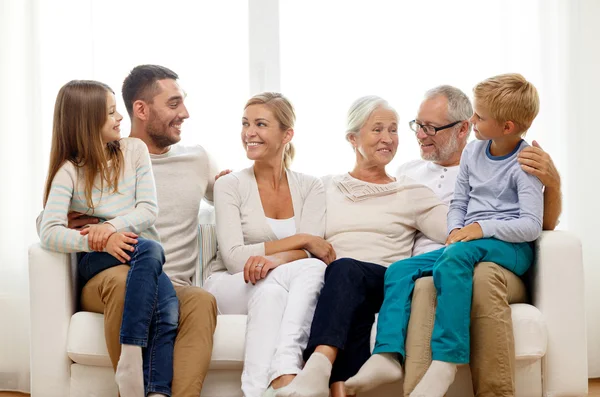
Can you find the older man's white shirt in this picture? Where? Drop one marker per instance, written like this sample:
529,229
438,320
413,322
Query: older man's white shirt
439,179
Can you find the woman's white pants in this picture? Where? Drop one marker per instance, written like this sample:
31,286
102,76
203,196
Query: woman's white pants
280,310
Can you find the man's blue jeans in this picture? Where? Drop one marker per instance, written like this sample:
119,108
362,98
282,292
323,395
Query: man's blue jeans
151,309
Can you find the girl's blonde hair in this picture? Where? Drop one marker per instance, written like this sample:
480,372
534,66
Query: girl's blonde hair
80,112
284,113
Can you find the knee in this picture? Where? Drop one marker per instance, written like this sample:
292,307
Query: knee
454,250
424,289
315,266
198,302
107,287
456,257
152,250
395,271
113,283
489,286
344,267
267,292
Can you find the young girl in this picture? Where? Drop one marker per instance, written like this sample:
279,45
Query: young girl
93,171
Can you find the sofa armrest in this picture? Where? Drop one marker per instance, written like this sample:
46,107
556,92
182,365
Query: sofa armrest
52,297
558,292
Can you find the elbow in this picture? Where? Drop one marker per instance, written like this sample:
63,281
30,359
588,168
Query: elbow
536,235
45,240
232,264
153,214
535,232
549,224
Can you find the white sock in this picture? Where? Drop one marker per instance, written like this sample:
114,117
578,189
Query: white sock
270,392
313,381
378,370
436,381
130,372
157,395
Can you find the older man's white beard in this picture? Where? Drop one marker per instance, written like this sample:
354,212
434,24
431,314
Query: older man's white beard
443,153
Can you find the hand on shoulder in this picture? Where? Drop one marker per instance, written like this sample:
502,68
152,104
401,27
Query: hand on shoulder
535,161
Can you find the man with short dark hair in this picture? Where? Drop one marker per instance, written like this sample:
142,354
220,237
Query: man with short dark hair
184,175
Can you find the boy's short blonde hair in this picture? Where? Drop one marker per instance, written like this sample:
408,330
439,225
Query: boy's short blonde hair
509,97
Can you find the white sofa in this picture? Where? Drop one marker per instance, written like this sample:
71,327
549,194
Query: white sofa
69,356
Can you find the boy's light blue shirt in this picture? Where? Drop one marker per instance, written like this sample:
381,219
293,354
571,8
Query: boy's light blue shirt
495,192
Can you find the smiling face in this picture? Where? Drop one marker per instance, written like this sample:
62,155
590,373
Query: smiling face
166,114
377,140
111,130
445,143
262,136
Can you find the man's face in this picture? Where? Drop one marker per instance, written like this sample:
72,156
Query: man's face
445,143
167,113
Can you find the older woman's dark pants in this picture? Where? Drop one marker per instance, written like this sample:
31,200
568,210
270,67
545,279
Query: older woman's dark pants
345,313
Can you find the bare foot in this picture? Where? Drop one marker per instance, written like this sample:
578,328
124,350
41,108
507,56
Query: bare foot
339,390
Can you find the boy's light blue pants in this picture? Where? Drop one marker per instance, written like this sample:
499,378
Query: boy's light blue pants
452,270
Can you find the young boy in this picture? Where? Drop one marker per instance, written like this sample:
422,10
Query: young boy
495,216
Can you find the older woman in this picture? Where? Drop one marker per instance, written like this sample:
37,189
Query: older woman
270,224
371,222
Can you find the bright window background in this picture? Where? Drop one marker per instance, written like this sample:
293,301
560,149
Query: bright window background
327,53
205,43
333,52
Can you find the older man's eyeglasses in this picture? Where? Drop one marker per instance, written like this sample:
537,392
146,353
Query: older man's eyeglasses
429,129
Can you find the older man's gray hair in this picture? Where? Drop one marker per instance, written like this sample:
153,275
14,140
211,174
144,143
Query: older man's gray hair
459,105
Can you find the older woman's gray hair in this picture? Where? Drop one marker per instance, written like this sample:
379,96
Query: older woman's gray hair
361,110
459,105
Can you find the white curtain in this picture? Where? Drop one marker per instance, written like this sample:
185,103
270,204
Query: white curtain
399,49
328,54
43,45
581,144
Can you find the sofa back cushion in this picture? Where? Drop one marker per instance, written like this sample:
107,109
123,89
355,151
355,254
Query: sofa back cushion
207,240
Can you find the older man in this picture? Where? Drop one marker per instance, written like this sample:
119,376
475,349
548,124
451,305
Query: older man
442,129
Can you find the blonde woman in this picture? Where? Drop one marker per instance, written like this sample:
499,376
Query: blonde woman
272,255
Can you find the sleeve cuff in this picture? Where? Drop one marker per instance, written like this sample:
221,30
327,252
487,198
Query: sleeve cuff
451,227
487,228
118,224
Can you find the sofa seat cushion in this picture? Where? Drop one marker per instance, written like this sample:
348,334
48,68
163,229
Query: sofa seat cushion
86,343
229,342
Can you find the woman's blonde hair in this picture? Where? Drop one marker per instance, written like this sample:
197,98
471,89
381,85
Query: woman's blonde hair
284,113
80,112
509,97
